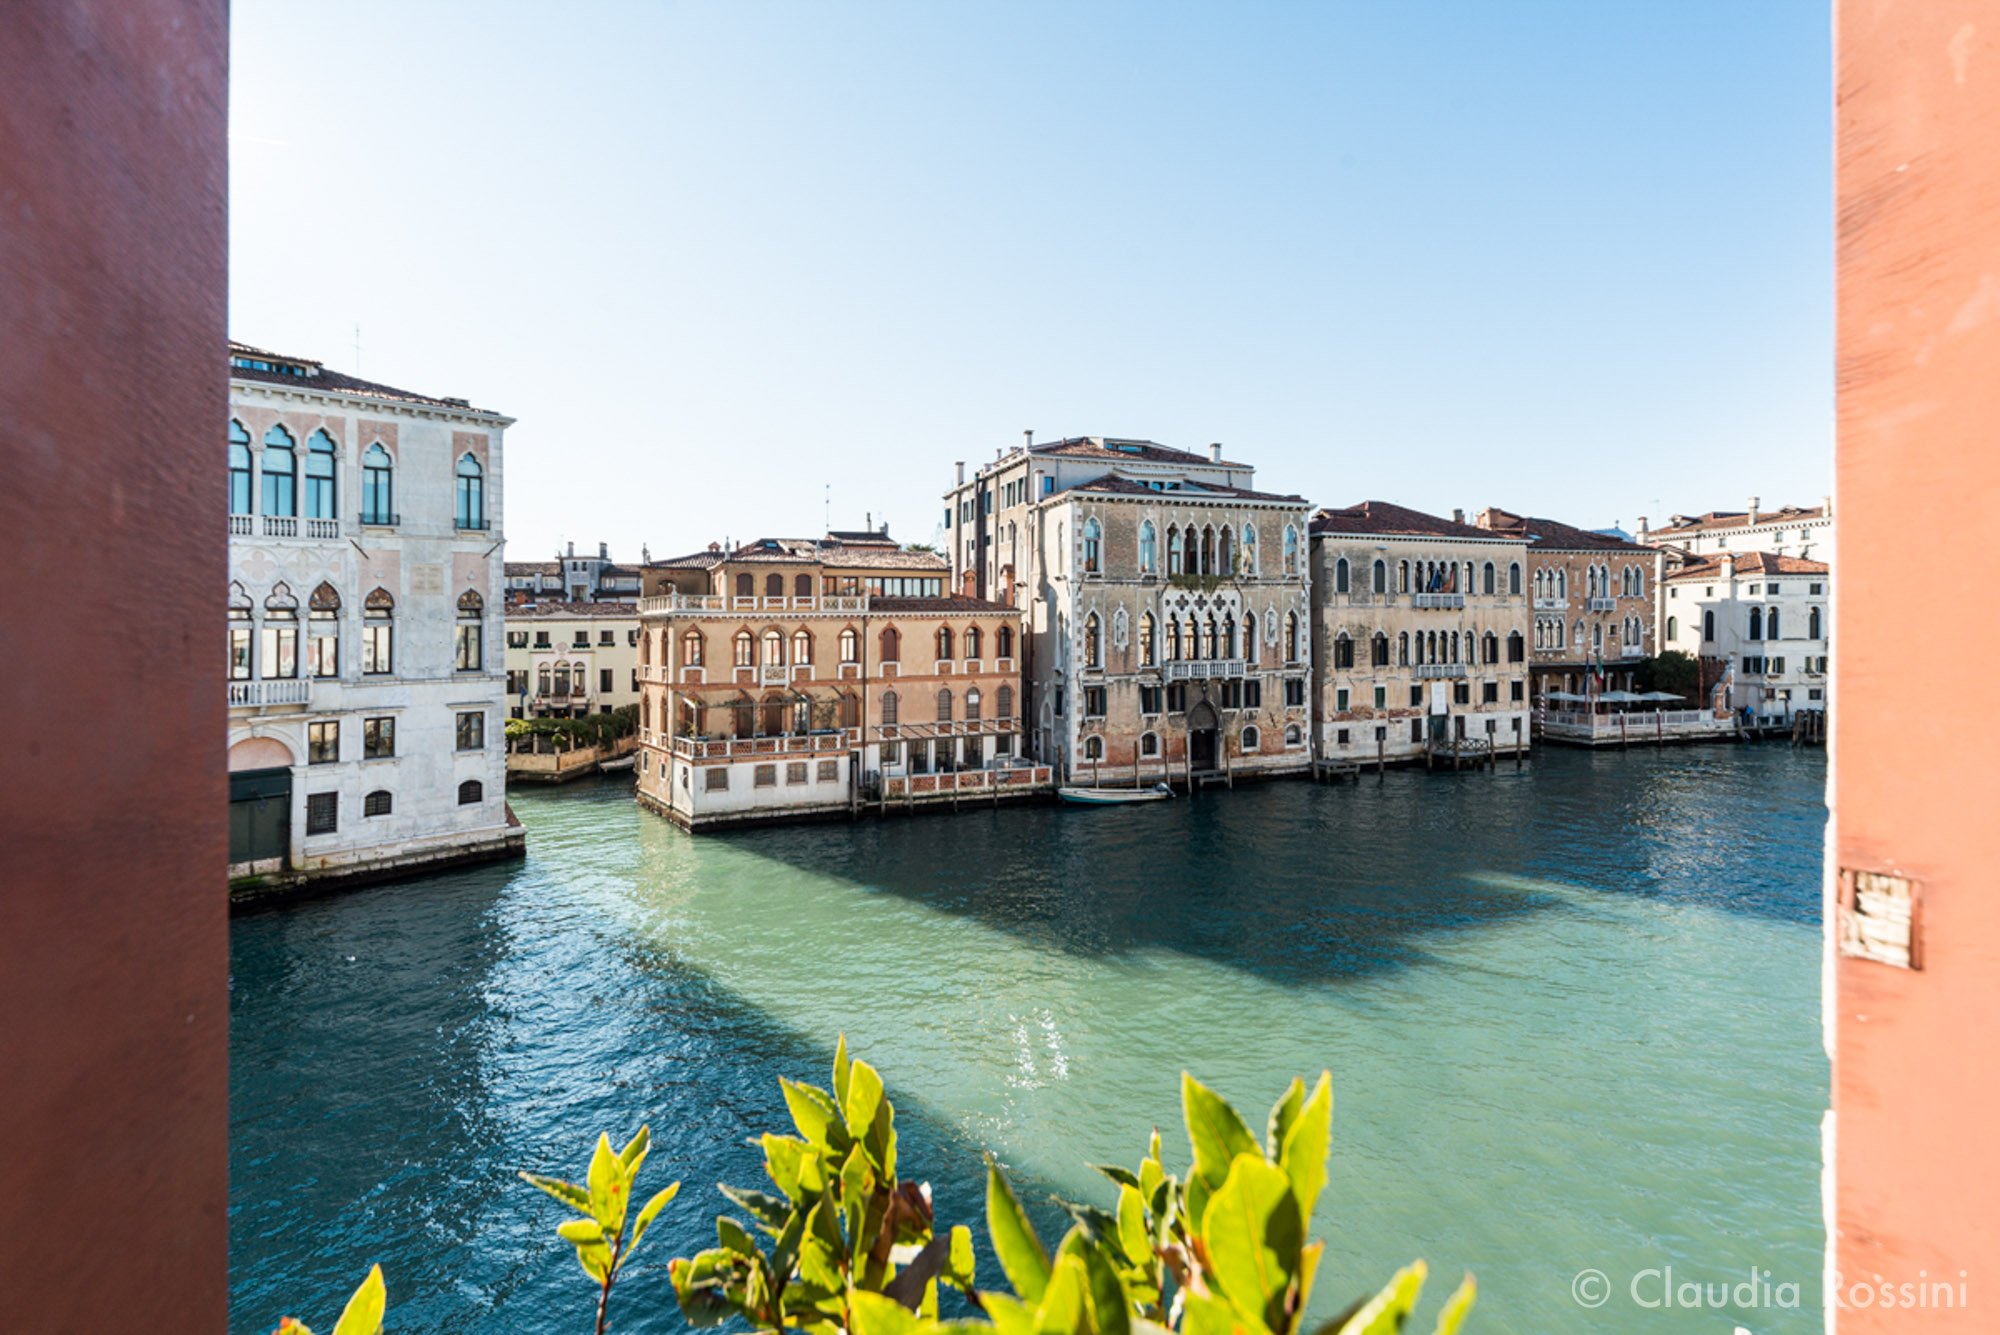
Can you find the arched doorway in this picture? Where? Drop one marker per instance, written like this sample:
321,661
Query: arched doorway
1203,737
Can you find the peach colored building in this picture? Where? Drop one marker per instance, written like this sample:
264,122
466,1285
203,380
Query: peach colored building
793,678
1913,885
1420,635
1595,604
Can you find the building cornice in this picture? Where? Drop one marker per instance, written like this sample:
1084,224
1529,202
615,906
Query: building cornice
369,402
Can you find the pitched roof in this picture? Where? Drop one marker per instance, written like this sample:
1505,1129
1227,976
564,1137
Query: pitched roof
707,560
1113,447
534,568
305,373
1114,484
1716,520
946,604
871,556
545,608
1749,563
1380,518
1554,536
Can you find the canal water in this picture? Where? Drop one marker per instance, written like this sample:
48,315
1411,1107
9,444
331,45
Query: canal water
1571,1014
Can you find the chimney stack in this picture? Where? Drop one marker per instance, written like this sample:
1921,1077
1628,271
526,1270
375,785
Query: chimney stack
1215,452
1029,436
604,551
572,549
961,472
1826,506
1458,516
1753,509
1642,526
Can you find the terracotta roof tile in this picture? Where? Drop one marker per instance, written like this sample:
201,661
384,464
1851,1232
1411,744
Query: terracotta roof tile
1113,484
947,604
1554,536
1384,519
1112,447
1716,520
1749,563
608,611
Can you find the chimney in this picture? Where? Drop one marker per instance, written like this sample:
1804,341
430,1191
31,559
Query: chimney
1753,510
715,546
572,549
1826,506
961,472
1215,452
867,521
604,551
1029,436
1458,516
1642,526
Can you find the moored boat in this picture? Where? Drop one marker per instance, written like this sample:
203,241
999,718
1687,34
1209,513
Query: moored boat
1114,796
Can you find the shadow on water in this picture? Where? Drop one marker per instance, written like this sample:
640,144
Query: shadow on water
1301,883
399,1052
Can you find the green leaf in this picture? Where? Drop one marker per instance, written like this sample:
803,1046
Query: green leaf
569,1193
840,1068
595,1258
1455,1308
769,1212
650,1212
1307,1144
1124,1177
1019,1251
959,1268
1132,1234
582,1232
363,1313
1253,1234
1061,1309
1215,1131
877,1315
864,1095
814,1113
821,1248
785,1162
1110,1304
1010,1316
1385,1313
1282,1115
634,1152
733,1237
609,1191
1207,1314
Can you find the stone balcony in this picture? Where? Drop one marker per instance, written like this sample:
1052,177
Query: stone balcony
283,526
1195,669
277,693
1437,600
1439,671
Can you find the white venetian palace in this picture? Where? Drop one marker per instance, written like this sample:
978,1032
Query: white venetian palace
366,700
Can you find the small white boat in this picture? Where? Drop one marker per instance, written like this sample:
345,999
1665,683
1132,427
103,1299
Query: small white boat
1113,796
621,763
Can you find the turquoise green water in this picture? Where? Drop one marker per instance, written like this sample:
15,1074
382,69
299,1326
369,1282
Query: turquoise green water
1571,1014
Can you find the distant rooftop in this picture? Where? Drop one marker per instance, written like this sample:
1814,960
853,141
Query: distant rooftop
1554,535
1384,519
1716,520
1748,563
261,366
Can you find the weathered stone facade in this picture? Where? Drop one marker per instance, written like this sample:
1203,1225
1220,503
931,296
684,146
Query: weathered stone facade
1420,634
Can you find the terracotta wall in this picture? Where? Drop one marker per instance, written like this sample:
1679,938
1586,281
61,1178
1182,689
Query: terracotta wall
113,935
1916,1057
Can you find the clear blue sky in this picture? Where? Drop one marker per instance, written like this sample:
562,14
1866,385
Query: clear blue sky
1567,258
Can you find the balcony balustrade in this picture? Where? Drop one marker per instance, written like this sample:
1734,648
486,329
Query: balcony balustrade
1439,671
1603,604
1551,604
1439,600
268,694
1198,669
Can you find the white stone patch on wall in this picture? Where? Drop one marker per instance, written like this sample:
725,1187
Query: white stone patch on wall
1121,628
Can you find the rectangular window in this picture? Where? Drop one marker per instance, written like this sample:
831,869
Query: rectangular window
1489,693
323,655
716,779
471,650
378,738
517,639
1093,702
472,730
1416,730
1340,738
892,753
1295,691
1253,693
795,772
1514,690
541,639
322,743
377,648
1416,697
239,653
1177,698
1461,693
604,680
606,637
1151,699
1232,693
1059,702
322,813
1340,700
829,771
1381,697
766,776
281,650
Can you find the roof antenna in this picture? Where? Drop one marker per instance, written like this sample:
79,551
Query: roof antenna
829,507
357,348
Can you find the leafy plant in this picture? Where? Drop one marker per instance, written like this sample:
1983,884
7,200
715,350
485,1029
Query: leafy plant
1223,1253
602,1244
361,1316
851,1246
